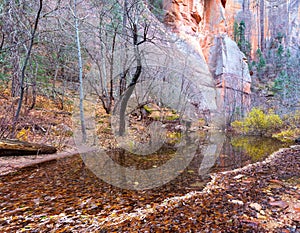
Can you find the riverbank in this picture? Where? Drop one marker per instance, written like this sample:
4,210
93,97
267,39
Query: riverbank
261,197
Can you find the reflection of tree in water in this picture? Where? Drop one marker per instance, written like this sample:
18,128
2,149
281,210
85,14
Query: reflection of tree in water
240,151
256,147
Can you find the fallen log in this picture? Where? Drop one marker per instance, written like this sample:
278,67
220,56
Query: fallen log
10,147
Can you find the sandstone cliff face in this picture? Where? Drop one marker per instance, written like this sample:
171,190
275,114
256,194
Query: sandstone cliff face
232,78
264,19
211,24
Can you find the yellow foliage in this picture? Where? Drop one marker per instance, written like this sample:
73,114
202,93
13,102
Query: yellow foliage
288,135
239,127
23,134
164,115
258,123
201,122
174,137
44,102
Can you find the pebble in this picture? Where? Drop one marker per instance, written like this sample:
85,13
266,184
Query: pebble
255,206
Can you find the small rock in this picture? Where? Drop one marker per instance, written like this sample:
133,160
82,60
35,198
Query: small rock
297,140
49,198
255,206
271,199
180,127
262,217
194,129
238,202
36,201
238,177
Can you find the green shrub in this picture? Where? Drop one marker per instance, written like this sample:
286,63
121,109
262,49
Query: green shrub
258,123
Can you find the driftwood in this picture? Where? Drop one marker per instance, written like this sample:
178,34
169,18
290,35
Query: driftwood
15,147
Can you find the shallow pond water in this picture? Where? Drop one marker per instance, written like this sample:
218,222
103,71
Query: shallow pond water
67,185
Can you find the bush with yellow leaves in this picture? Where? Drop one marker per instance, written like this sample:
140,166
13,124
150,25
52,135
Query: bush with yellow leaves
258,123
291,129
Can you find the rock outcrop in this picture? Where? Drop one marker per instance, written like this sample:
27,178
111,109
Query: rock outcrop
232,77
265,20
211,23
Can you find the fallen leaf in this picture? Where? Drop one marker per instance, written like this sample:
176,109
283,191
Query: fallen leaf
280,204
262,217
276,182
248,180
297,207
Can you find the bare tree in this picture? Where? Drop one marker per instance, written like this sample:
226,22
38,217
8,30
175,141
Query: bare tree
104,50
24,66
123,74
138,29
80,72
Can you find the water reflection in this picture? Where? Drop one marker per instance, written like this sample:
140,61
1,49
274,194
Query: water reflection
216,152
211,152
242,150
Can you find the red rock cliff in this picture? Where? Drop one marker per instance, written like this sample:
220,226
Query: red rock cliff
264,19
211,24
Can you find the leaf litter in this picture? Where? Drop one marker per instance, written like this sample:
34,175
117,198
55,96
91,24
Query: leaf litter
64,196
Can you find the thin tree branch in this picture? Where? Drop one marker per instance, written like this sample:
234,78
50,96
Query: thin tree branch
22,87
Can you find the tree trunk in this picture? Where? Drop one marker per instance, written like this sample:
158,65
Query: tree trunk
81,94
22,84
15,147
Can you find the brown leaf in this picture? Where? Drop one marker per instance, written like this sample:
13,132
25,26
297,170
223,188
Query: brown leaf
276,182
297,207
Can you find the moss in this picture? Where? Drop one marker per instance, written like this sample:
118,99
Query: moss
148,108
174,137
172,117
164,115
291,128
